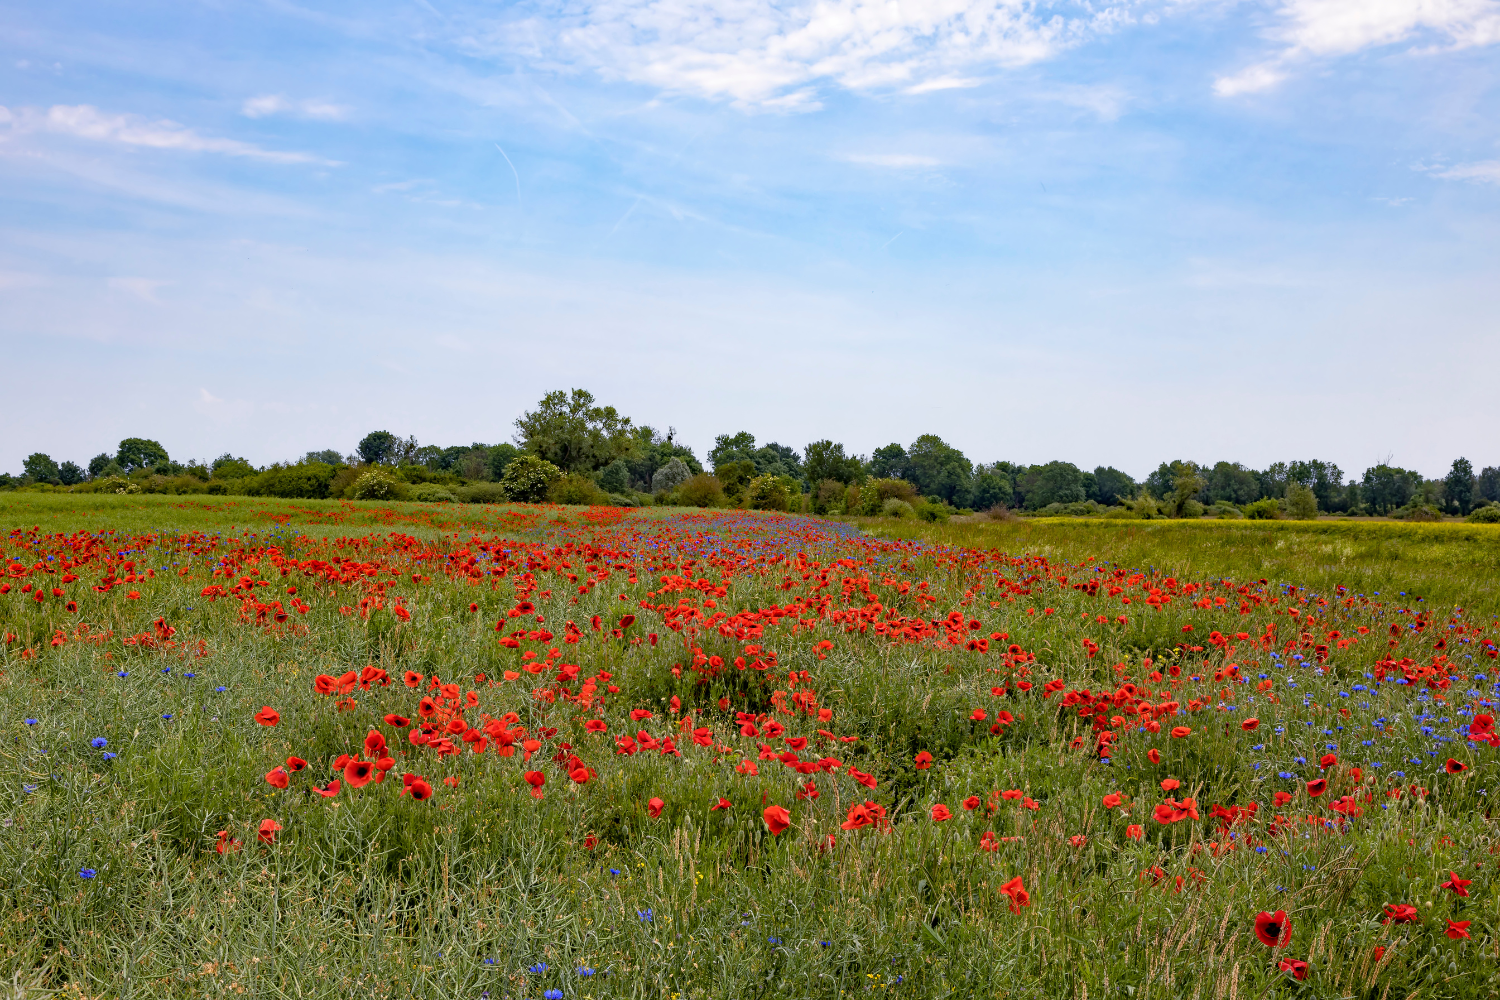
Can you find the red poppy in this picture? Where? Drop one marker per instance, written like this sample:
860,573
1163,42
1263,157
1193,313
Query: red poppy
412,679
721,804
1154,755
295,763
1250,725
359,772
1011,793
225,845
1317,787
971,803
1112,800
940,812
268,828
536,779
1019,897
778,820
375,744
1295,966
267,716
415,786
1328,760
868,780
580,775
1458,885
331,790
323,684
1170,784
637,714
1280,799
595,726
1401,913
473,607
1457,929
1135,831
1455,766
924,761
1178,732
1273,929
277,777
398,721
654,808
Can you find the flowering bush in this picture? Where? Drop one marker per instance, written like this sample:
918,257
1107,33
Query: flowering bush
376,485
527,478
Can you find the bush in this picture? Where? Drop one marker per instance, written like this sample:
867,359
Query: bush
1265,509
615,477
928,510
1416,511
527,478
897,508
670,476
767,493
305,481
702,490
621,500
1484,515
432,493
828,497
115,484
376,485
577,491
1301,503
482,493
1224,510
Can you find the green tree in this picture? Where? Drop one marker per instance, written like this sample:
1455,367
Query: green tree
650,451
573,433
377,447
1489,484
1055,482
1325,479
734,475
1186,484
528,478
328,456
226,466
671,475
731,448
70,473
40,468
826,460
890,462
937,468
615,477
1387,488
1301,502
992,489
141,453
499,457
1459,486
1111,486
99,463
1230,481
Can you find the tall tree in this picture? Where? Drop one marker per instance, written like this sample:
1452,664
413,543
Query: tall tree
937,468
1385,487
141,453
732,448
890,462
826,460
377,447
573,433
1459,485
41,468
1489,484
1111,486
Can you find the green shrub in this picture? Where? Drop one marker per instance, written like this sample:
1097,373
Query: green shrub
621,500
702,490
1417,511
115,484
670,476
767,493
577,491
482,493
1224,510
931,509
377,485
1190,508
615,477
1484,515
527,478
304,481
828,497
1265,509
432,493
1301,503
897,508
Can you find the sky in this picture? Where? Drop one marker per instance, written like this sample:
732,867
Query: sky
1117,232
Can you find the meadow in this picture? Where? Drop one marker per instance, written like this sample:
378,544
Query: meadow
270,748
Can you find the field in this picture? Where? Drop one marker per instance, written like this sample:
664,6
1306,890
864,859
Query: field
305,749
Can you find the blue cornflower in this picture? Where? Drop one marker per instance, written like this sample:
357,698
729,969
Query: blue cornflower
585,971
190,676
553,994
86,873
221,688
538,968
645,915
167,715
110,756
98,742
28,789
123,673
29,722
774,940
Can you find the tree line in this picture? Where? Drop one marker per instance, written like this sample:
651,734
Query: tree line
597,453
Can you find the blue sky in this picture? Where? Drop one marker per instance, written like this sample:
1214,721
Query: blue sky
1118,232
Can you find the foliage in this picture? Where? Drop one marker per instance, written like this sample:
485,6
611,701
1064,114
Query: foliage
1484,515
936,468
41,468
826,460
828,497
431,493
769,460
572,433
499,457
615,477
702,490
991,489
226,466
733,476
306,480
527,478
140,453
1266,509
69,474
377,485
670,476
769,493
482,493
1386,488
889,462
1301,502
574,490
1111,486
1459,486
897,508
377,448
327,456
1055,482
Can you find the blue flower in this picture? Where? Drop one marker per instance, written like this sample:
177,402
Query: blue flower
645,915
221,689
553,995
774,940
538,968
168,715
122,673
29,722
28,789
86,873
110,756
98,742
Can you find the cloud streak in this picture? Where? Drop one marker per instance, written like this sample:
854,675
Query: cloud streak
84,121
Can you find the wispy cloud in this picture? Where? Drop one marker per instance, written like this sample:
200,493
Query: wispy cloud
1310,29
1486,171
773,56
898,161
275,104
84,121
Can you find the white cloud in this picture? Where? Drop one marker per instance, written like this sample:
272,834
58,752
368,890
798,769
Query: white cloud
1328,28
769,55
899,161
276,104
83,121
1484,170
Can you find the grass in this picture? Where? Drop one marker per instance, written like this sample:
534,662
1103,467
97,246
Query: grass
484,888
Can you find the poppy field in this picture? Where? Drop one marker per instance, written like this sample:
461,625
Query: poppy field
322,748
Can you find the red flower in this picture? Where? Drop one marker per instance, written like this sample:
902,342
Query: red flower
1401,913
1112,800
721,804
1135,831
595,726
1328,760
1178,732
1295,966
1280,799
1273,929
375,744
331,790
1170,784
1154,755
778,820
580,775
295,763
637,714
417,787
1019,897
277,777
536,779
940,812
1458,885
268,828
359,772
1457,929
1317,787
654,807
1455,767
412,679
323,684
397,721
267,716
924,761
1250,725
868,780
971,803
225,845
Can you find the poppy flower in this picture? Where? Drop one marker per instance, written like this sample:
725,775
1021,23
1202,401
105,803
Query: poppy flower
1455,767
1273,929
1328,760
277,777
417,787
1112,800
654,808
923,761
778,820
1295,966
399,721
1458,885
225,844
268,828
1135,831
1401,913
595,726
971,803
1170,784
1280,799
1154,755
721,804
1178,732
267,716
412,679
359,772
637,714
295,763
1011,793
1457,929
1250,725
375,744
331,790
1317,787
536,779
868,780
940,812
323,684
1019,897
